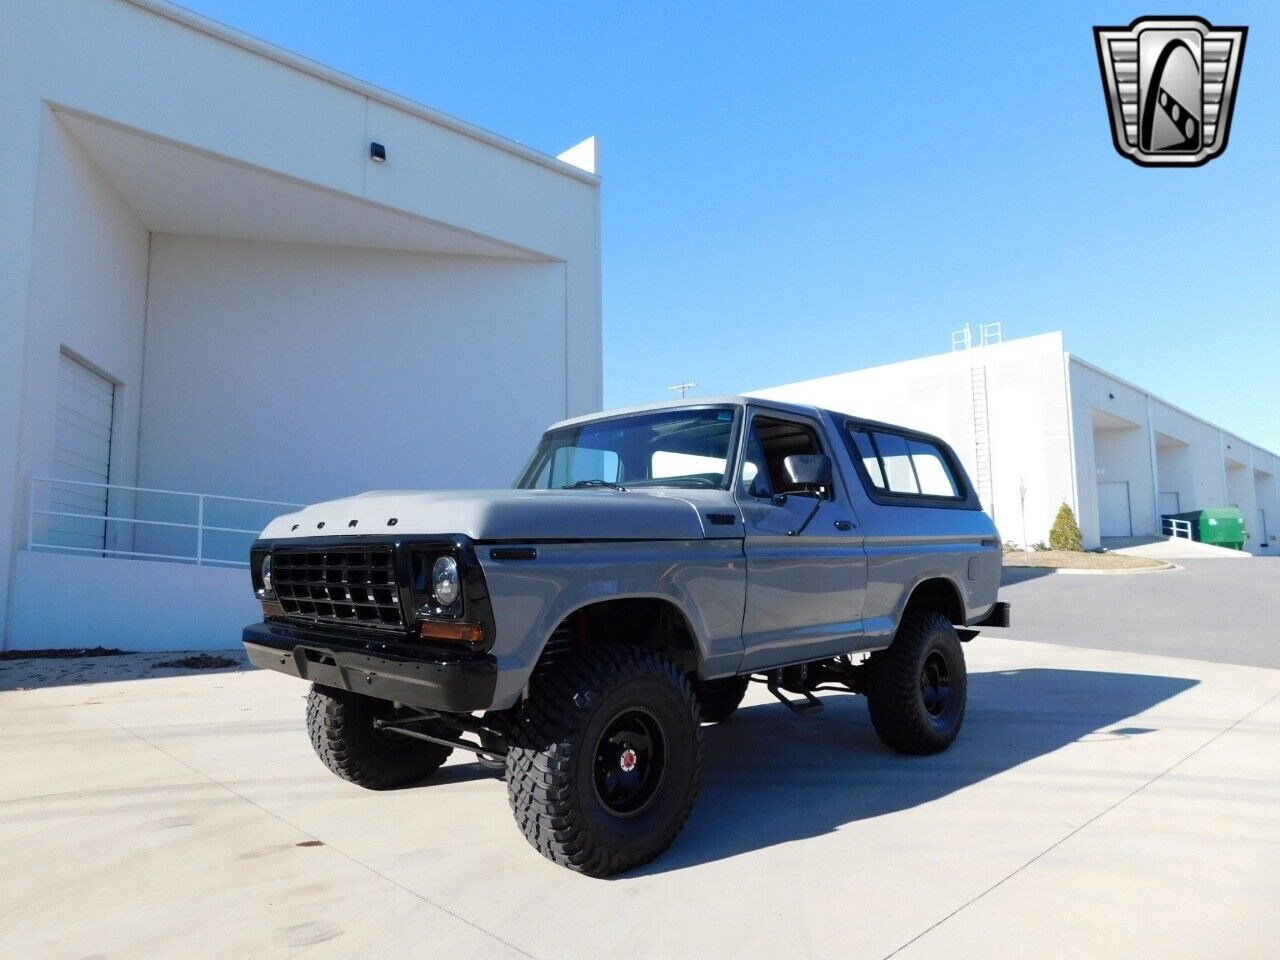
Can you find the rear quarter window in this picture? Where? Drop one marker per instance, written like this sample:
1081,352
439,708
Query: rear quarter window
905,467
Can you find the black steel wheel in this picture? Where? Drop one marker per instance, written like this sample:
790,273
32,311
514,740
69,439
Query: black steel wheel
935,684
718,699
630,760
916,688
605,759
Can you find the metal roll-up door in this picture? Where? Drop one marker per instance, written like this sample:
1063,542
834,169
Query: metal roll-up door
82,451
1114,519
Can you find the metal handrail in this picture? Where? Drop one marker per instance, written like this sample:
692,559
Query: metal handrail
200,527
176,493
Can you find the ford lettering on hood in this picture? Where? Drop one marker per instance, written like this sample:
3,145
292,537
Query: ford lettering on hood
589,513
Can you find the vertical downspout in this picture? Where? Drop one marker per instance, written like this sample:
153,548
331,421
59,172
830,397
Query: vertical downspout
1222,467
568,366
1155,470
1071,436
142,382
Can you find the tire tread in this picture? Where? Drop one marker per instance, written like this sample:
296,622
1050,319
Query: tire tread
339,725
893,686
540,760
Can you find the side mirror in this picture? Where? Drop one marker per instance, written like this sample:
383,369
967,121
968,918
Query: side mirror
810,472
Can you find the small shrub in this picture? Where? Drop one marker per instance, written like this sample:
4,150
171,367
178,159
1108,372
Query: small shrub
1040,547
1011,547
1065,534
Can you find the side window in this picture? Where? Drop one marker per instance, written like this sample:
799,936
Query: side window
870,459
899,472
904,465
933,473
754,481
769,443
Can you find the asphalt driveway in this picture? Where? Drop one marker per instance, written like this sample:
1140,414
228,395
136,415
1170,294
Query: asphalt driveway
1226,611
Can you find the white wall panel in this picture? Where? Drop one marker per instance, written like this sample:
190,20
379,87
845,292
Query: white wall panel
299,373
86,296
129,604
74,264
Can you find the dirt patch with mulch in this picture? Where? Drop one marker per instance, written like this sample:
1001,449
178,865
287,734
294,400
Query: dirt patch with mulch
1071,560
199,662
33,669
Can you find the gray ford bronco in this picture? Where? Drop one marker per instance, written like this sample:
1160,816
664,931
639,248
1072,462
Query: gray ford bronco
577,630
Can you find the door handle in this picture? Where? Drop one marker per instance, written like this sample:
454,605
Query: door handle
844,524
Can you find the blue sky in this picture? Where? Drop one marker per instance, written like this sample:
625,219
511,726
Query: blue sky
794,190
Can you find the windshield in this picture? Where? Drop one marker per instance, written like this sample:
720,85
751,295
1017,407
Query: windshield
668,448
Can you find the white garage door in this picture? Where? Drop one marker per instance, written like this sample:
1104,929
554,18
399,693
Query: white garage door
1113,509
82,451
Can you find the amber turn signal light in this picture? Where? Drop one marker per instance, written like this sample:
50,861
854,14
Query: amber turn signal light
464,632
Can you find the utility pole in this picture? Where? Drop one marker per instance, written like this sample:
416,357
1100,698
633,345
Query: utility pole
1022,498
683,387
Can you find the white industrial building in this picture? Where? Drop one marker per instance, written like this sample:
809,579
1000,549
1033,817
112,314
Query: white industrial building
1037,427
213,294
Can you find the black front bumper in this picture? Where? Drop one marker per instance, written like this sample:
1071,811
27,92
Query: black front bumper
375,667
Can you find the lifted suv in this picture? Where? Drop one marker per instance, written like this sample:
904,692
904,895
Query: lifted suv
577,631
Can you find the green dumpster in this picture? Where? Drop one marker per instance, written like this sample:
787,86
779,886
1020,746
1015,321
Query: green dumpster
1221,526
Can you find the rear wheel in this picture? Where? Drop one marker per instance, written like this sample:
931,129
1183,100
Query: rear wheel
916,688
605,760
718,699
340,724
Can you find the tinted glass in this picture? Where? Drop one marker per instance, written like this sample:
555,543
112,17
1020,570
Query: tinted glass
870,460
754,481
770,442
900,474
570,465
932,470
669,448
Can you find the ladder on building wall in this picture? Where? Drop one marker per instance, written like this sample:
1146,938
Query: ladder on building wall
981,436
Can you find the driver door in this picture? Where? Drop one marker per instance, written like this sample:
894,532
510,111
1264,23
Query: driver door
805,590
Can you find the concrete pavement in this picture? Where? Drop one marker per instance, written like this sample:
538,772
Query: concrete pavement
1175,548
1097,804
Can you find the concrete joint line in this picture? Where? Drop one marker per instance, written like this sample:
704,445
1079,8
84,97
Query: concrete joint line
342,853
1098,816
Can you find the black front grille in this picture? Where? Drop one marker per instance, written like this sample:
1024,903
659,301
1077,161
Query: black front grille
349,585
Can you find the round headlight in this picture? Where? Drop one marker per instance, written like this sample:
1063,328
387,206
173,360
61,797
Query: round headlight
265,573
445,586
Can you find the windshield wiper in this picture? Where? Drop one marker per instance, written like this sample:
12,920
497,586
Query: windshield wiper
594,483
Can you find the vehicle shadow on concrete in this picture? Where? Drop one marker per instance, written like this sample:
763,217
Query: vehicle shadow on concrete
771,777
1010,575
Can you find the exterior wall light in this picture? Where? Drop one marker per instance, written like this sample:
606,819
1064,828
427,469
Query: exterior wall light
377,152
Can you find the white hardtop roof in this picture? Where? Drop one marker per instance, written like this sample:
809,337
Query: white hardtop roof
736,400
720,401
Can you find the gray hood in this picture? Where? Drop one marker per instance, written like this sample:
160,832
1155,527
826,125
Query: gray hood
598,513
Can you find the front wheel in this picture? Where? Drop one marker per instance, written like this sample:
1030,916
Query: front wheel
916,688
605,760
340,724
